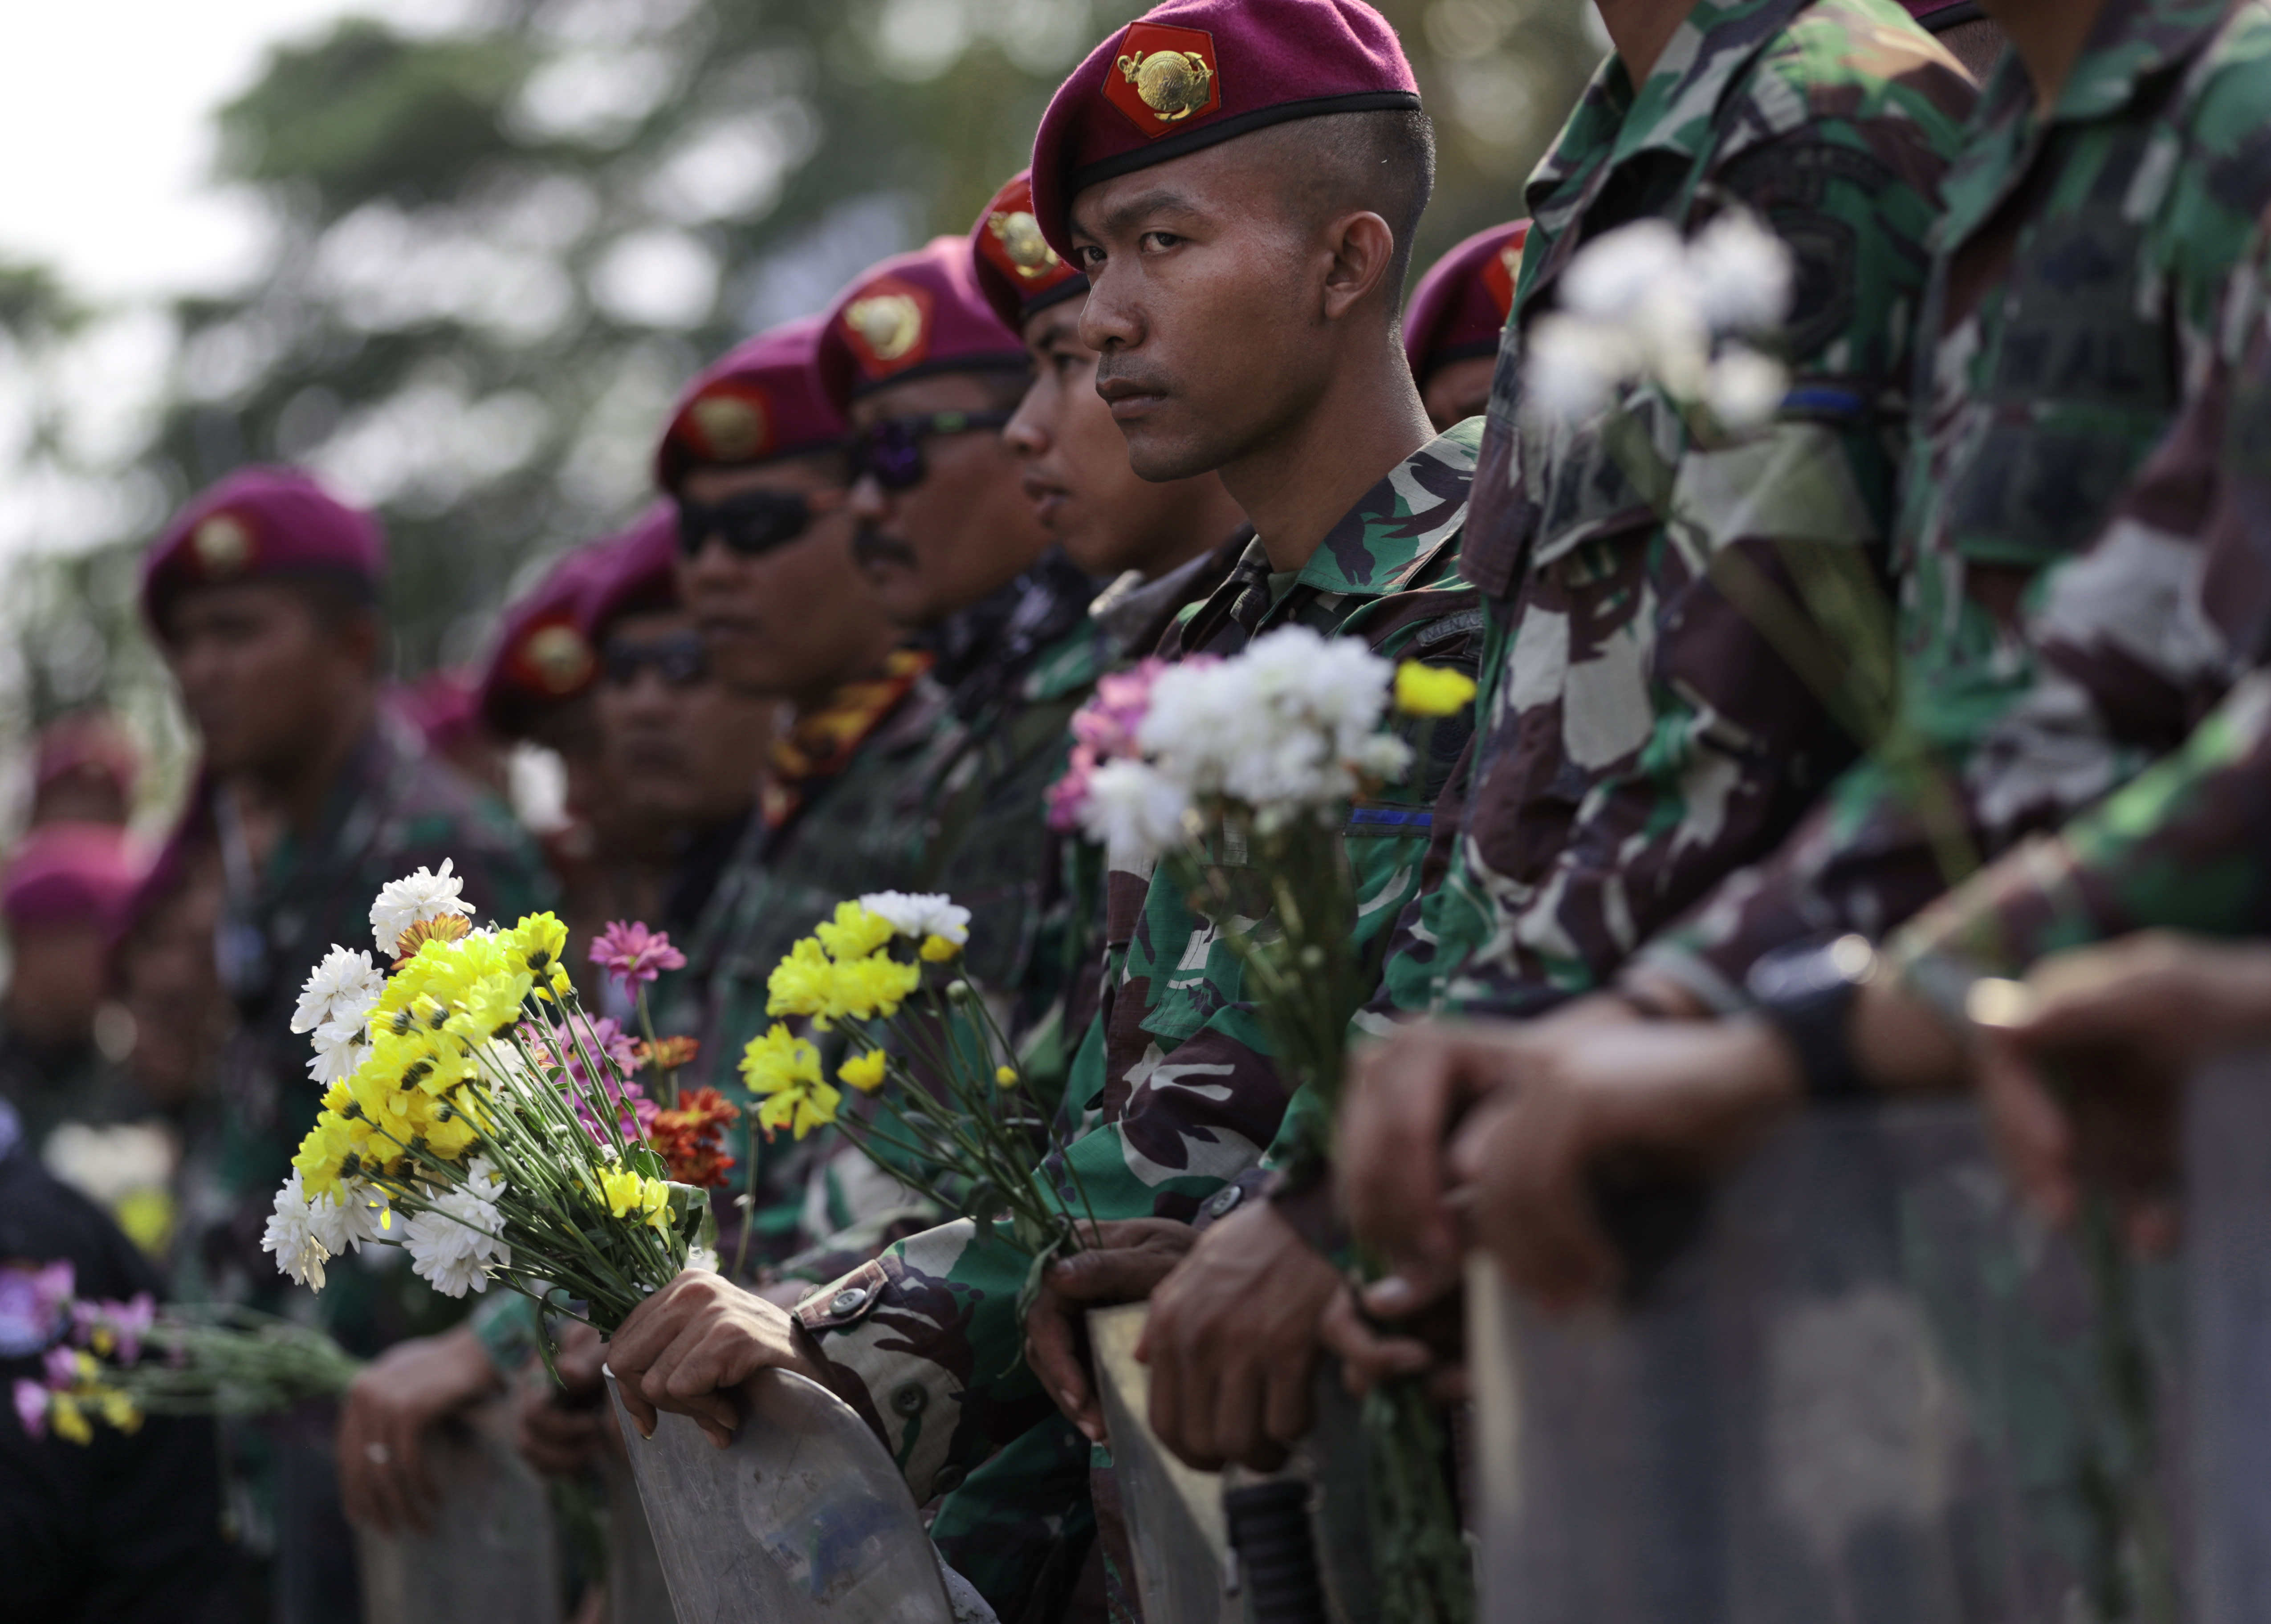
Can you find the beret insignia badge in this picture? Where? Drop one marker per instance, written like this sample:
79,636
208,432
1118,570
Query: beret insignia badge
1019,233
223,546
558,659
887,327
1164,77
731,427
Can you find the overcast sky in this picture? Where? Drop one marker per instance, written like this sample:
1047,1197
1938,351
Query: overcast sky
104,132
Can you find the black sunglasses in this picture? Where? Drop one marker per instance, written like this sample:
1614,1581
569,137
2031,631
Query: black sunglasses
751,523
678,659
892,450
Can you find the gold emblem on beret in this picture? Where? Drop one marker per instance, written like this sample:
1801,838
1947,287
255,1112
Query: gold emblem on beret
1173,85
223,546
558,657
732,426
1019,233
891,324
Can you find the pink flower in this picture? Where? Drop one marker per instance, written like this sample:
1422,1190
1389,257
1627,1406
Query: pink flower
128,1322
606,1036
1069,793
60,1364
630,953
32,1304
32,1408
1107,723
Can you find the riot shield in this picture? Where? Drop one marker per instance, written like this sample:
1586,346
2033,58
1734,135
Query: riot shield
489,1555
804,1520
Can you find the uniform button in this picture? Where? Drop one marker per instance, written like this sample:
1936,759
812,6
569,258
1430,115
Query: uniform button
910,1400
847,1300
1225,1199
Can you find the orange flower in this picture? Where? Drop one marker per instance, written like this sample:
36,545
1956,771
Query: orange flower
667,1054
692,1138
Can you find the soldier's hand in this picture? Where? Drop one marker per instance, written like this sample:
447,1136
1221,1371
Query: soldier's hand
685,1349
1123,1261
2116,1030
1405,1095
1647,1098
559,1427
1233,1341
383,1473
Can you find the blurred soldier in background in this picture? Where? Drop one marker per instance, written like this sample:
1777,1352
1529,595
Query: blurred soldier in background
262,594
62,894
444,707
1451,326
84,770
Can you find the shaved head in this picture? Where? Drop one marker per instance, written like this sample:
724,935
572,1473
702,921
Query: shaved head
1345,163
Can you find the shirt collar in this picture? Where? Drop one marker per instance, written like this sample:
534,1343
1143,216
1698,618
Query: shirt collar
2133,41
1400,522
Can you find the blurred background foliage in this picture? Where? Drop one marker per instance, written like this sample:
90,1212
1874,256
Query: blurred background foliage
496,254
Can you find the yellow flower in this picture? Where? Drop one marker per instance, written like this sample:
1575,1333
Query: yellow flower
1431,690
118,1409
329,1143
620,1187
450,1133
1005,1076
801,1109
803,983
854,932
938,950
65,1416
491,1007
868,988
539,944
778,1061
865,1071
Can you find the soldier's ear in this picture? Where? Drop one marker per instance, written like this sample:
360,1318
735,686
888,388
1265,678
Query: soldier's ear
1364,254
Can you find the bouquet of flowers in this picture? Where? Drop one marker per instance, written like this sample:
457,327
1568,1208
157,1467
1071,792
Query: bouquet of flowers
474,1116
959,1124
1239,774
119,1361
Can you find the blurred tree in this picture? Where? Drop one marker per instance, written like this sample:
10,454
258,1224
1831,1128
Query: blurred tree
495,253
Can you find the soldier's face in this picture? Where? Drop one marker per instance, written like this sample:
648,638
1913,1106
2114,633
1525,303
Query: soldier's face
1458,390
683,746
265,677
790,621
1206,305
1107,518
960,532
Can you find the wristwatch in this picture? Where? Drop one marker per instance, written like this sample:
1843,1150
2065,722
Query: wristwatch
1807,991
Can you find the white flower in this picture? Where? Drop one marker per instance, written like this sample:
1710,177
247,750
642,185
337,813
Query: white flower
453,1244
339,1050
293,1236
1571,367
1745,389
1742,274
919,915
414,900
344,987
1135,811
345,1225
105,1164
1623,270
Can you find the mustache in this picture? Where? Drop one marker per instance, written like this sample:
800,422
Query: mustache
870,546
1125,370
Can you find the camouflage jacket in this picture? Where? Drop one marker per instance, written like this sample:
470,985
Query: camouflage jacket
2073,305
2164,629
1640,732
395,809
1180,1092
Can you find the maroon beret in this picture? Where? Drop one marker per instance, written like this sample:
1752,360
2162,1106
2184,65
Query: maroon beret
637,574
1018,270
70,873
761,402
259,522
909,317
1461,303
543,654
1189,73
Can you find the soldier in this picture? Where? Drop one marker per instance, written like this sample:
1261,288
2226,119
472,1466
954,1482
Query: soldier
63,895
1245,271
264,597
1451,329
1159,545
2050,385
753,457
927,375
1644,734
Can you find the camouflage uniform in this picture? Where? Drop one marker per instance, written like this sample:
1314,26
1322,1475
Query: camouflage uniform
926,1338
2163,627
394,809
1641,735
2073,303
